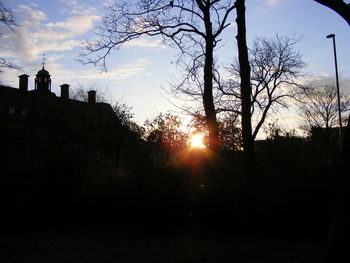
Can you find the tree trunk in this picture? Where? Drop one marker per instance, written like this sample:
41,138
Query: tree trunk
248,141
208,100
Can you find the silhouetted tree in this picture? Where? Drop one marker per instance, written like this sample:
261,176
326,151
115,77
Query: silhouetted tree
275,67
7,19
246,101
123,112
230,132
339,6
81,93
273,130
319,107
229,129
125,116
164,132
188,25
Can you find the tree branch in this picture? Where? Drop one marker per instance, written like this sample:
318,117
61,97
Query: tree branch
339,6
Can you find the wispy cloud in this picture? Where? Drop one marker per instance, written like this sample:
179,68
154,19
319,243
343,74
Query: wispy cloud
128,71
132,72
145,43
272,2
263,6
75,25
77,7
28,14
326,79
36,36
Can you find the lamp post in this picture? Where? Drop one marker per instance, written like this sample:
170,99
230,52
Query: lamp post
338,94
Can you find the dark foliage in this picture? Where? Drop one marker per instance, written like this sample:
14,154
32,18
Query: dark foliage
107,177
84,168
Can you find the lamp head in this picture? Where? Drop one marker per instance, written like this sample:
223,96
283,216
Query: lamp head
331,36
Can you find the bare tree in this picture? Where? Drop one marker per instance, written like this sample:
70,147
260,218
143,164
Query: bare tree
319,107
186,24
275,68
81,93
274,130
268,68
339,6
7,19
6,64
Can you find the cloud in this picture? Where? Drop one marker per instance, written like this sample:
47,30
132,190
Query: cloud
263,6
130,72
27,13
77,24
145,43
127,71
325,79
76,7
36,36
108,3
272,2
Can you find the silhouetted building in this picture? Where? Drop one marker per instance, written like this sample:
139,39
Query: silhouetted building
42,102
61,158
52,148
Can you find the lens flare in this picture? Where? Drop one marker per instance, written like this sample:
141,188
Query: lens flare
197,140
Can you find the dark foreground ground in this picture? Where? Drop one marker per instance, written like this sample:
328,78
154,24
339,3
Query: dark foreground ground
104,246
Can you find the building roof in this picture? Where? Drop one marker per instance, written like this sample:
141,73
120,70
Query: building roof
43,72
38,102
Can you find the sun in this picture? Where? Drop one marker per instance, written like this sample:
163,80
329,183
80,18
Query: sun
197,141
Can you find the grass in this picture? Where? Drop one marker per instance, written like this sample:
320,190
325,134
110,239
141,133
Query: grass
104,246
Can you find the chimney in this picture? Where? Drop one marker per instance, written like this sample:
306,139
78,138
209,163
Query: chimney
23,82
65,91
92,96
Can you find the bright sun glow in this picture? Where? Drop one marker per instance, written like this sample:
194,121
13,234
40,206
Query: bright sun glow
197,140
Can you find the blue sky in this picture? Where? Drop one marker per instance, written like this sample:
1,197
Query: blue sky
138,72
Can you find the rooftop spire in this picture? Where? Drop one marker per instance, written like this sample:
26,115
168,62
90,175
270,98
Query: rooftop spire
43,60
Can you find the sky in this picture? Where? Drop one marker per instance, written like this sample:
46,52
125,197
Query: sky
139,73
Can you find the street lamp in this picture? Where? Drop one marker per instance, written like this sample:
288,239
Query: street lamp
337,82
